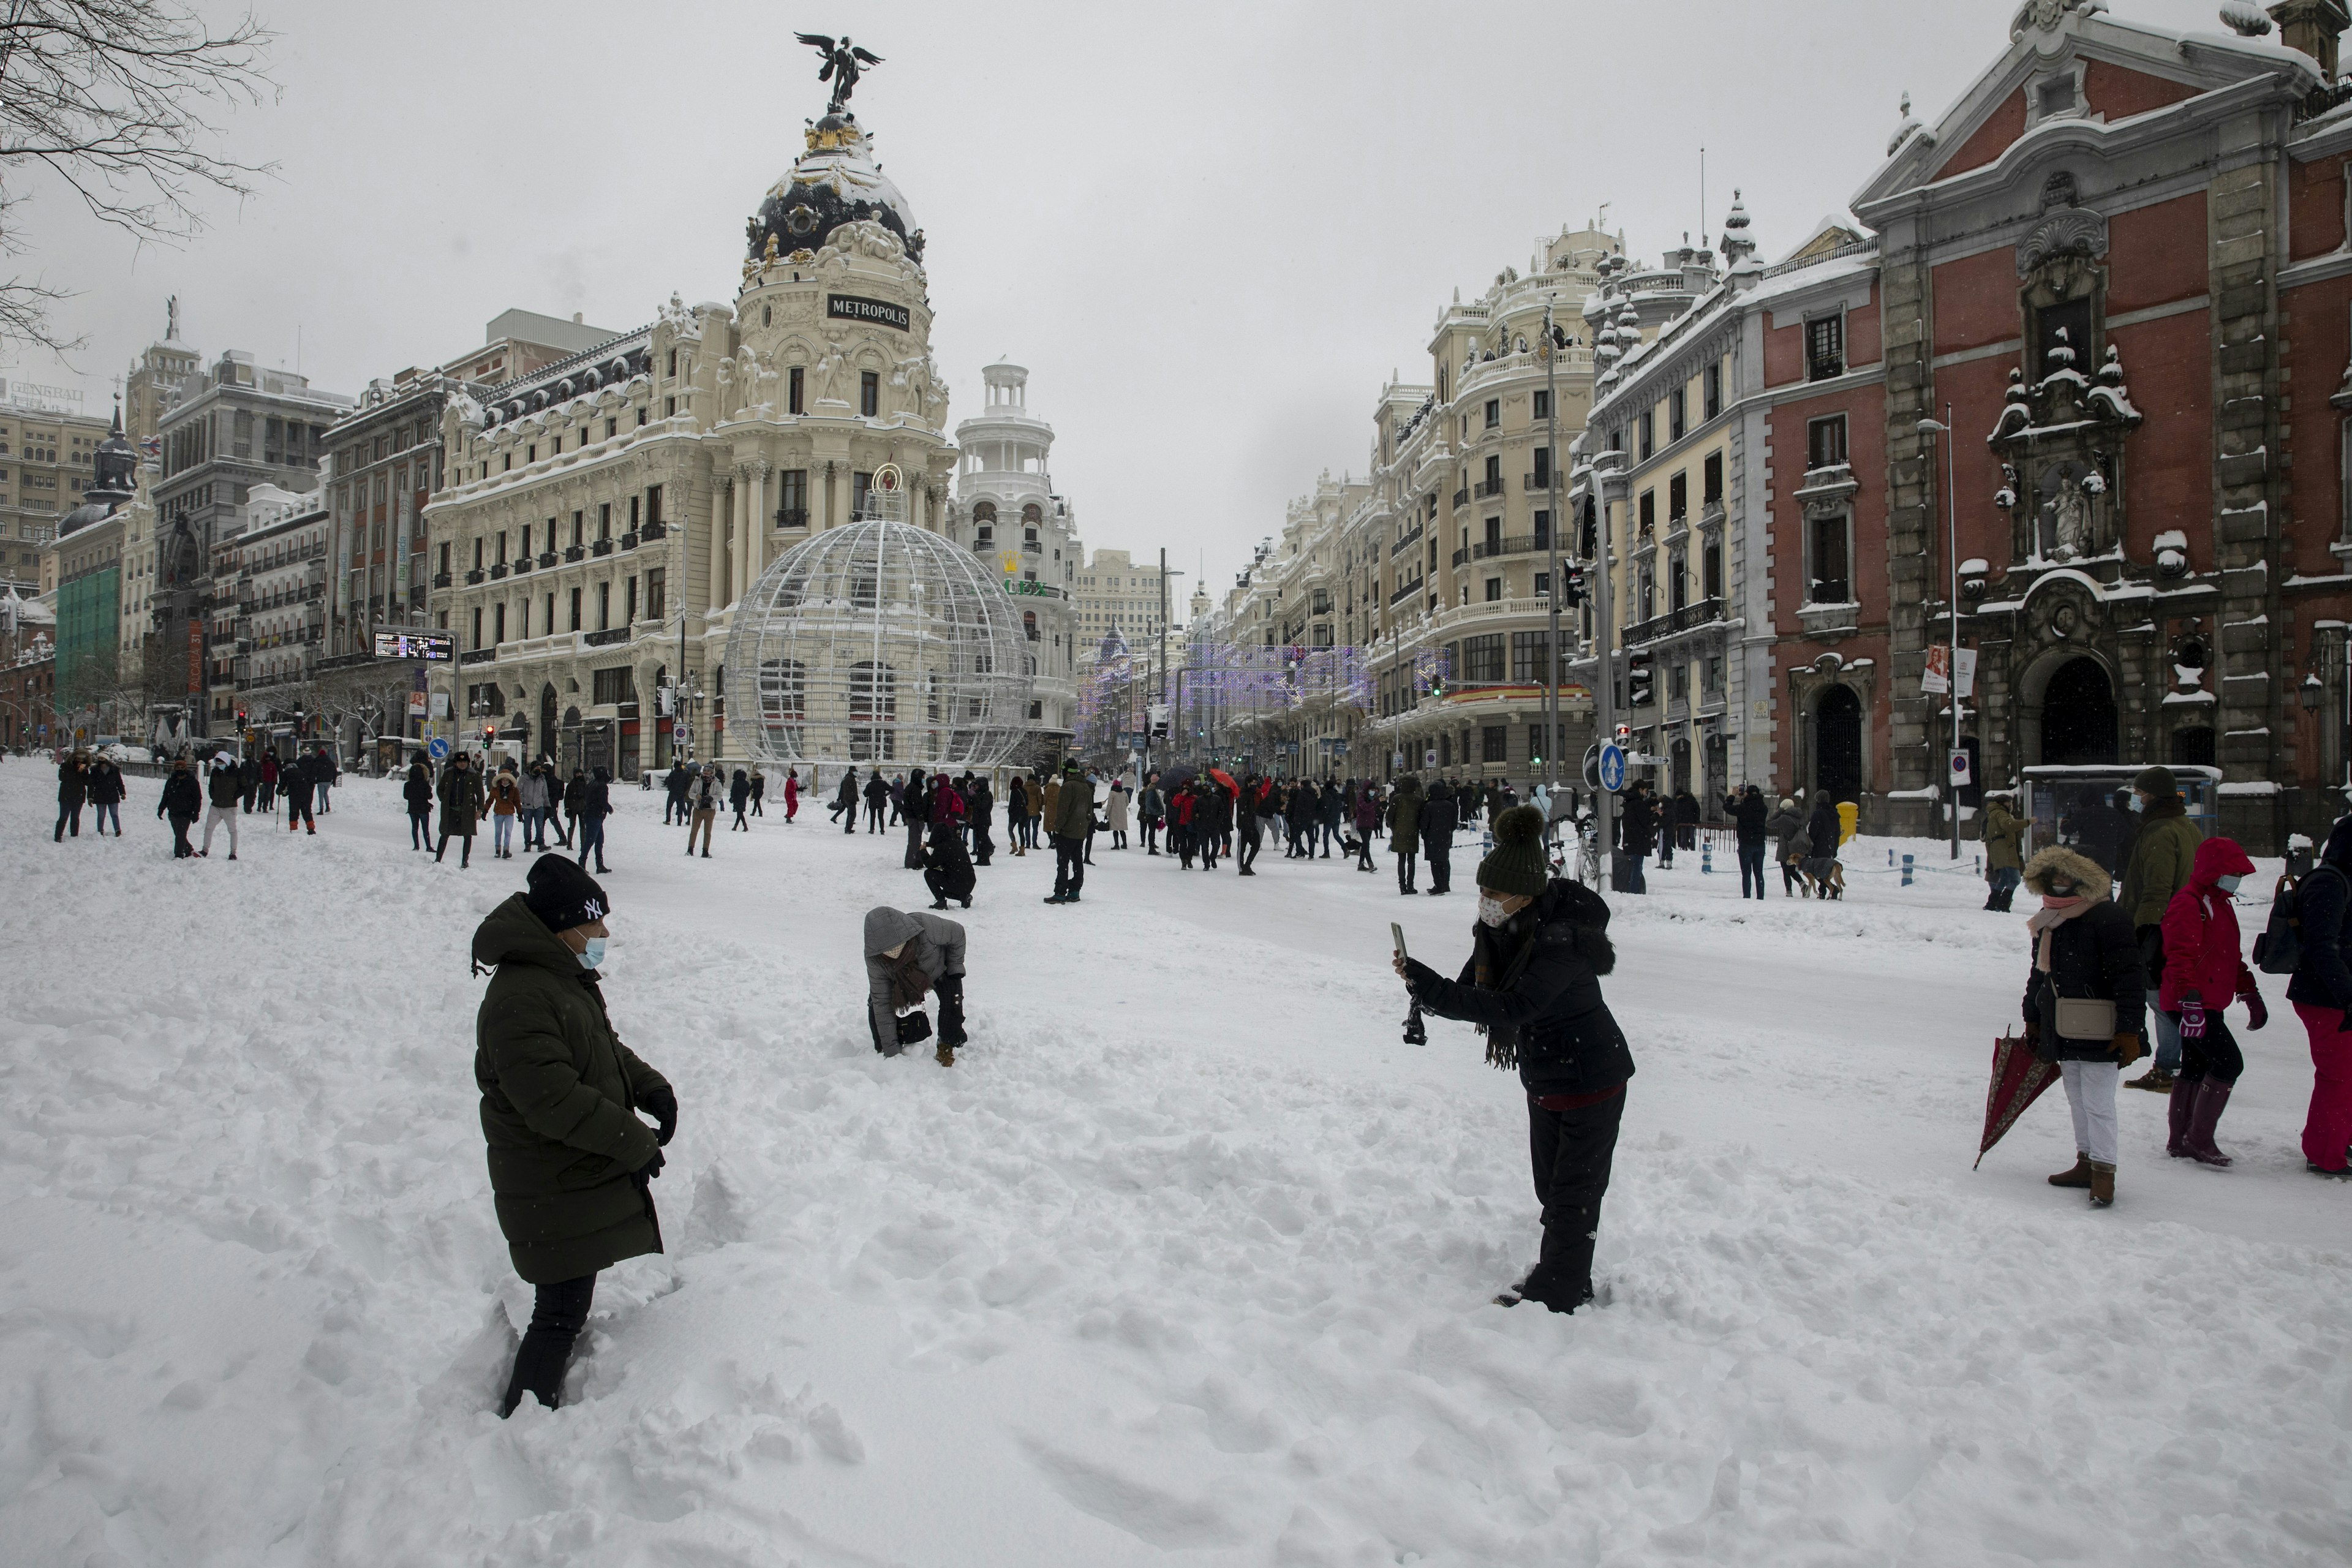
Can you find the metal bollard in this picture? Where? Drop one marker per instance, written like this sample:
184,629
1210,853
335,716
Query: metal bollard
1906,870
1705,856
1890,859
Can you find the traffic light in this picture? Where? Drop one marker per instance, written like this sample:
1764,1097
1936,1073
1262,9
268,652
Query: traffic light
1638,692
1572,588
1159,732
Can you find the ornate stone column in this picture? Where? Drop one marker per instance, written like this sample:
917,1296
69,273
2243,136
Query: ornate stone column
755,527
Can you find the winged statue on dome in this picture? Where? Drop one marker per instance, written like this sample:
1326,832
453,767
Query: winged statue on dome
844,64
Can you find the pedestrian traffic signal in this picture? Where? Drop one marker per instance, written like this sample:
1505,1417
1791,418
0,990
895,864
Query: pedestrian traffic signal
1573,590
1638,692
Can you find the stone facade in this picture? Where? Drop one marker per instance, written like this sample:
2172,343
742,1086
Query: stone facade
602,514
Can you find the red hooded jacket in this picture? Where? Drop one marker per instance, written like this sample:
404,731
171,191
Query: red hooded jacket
2201,950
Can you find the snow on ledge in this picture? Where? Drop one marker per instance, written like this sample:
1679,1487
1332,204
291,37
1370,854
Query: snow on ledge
2264,787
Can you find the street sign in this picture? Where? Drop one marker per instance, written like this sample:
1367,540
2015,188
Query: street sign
1612,768
438,750
1429,758
1960,772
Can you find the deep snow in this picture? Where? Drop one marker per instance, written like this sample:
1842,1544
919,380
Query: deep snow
1187,1261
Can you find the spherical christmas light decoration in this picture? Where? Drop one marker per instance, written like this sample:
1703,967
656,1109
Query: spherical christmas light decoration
879,643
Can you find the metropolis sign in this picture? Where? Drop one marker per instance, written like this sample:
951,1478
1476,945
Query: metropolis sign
436,648
850,308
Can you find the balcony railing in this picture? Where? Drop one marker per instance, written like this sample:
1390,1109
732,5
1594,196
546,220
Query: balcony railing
653,531
628,542
477,655
1407,542
522,565
498,572
1493,487
1688,618
601,547
1462,496
792,517
605,638
1407,592
1536,482
548,558
1517,544
474,577
440,579
574,551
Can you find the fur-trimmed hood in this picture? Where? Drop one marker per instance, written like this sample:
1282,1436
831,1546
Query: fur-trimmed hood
2090,878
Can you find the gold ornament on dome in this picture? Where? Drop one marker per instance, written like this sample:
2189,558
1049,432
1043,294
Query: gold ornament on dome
830,140
803,256
770,254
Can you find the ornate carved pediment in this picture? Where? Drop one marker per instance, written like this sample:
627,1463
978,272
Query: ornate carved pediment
2063,231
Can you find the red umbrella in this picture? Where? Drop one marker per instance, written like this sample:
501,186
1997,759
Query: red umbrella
2019,1077
1225,779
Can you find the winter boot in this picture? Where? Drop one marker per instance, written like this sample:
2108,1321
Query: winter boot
2212,1098
2183,1101
1992,902
2155,1079
2103,1184
944,1056
2079,1176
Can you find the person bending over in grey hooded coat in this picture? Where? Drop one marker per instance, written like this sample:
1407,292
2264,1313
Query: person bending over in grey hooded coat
909,954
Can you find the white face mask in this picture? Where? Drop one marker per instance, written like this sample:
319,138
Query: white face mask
2228,884
2139,803
1491,911
592,955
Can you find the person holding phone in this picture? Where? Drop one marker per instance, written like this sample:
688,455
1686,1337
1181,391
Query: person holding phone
1532,982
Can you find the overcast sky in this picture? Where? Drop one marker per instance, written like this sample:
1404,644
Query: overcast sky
1210,231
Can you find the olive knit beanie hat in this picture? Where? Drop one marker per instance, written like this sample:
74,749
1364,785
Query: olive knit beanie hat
2157,781
1516,864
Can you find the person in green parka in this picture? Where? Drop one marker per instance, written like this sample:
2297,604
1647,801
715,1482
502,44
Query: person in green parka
571,1165
461,807
2004,849
1404,827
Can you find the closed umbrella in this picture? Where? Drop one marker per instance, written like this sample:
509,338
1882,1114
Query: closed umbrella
2019,1077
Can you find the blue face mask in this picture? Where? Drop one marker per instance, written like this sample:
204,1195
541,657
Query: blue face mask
2139,803
2228,884
592,955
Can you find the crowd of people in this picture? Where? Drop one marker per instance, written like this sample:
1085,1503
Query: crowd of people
301,784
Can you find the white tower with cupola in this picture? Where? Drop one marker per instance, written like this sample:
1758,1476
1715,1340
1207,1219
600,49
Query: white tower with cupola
1007,513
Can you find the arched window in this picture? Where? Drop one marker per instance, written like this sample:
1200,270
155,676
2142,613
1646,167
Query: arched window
1029,624
1031,515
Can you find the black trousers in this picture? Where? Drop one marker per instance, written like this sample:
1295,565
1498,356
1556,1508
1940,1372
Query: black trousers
70,814
1069,865
914,845
1571,1151
465,846
1405,872
298,809
181,849
874,817
417,823
1440,871
557,1316
2216,1055
1251,843
983,845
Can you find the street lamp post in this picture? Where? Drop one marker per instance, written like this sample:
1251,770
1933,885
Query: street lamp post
1941,434
1551,343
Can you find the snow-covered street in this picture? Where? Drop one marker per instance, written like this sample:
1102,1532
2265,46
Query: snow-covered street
1188,1259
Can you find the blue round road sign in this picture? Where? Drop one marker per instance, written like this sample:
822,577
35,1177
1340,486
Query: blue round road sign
438,750
1612,768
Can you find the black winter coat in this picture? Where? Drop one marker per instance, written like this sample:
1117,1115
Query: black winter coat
1749,814
2096,955
105,783
225,788
1824,828
180,797
575,793
946,867
558,1091
596,800
1535,983
1437,824
73,784
417,791
2324,978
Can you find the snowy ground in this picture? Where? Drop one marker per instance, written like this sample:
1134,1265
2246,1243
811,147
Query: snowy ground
1187,1262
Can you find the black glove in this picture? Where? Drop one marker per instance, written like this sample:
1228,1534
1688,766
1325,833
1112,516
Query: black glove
1419,976
663,1104
651,1168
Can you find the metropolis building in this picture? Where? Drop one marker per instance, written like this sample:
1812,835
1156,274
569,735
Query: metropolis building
603,514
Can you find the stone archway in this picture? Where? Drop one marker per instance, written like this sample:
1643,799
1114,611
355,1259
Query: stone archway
2066,710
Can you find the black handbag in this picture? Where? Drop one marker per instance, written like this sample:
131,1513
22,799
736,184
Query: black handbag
914,1028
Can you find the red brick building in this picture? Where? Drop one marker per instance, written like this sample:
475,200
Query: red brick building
2121,262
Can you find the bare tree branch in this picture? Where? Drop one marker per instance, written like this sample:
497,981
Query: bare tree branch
117,100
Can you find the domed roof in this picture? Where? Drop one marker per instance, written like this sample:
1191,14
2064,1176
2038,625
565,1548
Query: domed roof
836,181
113,480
